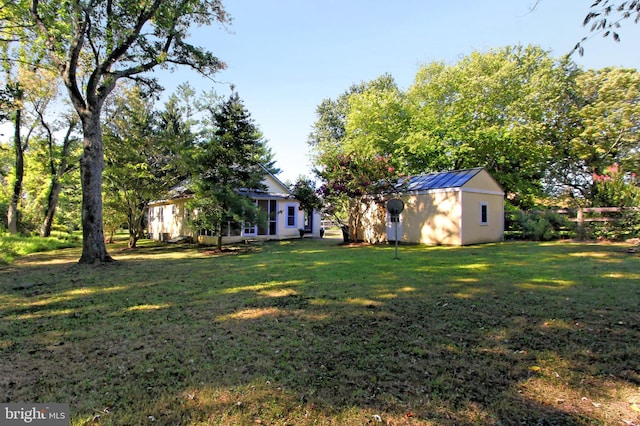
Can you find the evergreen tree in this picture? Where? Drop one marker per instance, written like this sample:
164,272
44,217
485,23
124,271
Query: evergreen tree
226,168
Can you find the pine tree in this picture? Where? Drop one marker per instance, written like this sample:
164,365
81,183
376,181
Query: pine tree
227,166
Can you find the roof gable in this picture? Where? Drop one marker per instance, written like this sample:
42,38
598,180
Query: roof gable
273,184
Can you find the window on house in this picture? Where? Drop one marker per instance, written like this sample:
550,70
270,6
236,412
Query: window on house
291,216
484,213
160,214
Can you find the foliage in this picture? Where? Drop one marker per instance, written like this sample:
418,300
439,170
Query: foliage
93,46
604,120
53,163
141,163
623,226
329,132
34,89
304,190
497,110
605,18
15,246
308,332
615,188
226,165
540,125
349,180
376,119
541,225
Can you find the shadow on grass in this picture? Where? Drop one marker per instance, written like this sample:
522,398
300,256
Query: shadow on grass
309,332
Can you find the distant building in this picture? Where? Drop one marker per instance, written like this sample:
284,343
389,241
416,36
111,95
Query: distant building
168,219
457,207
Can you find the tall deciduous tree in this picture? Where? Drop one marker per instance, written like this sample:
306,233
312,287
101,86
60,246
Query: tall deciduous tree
227,164
329,132
497,110
19,147
610,118
376,119
95,44
32,86
604,130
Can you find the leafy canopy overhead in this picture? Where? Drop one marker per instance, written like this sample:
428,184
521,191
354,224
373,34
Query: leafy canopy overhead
606,17
125,38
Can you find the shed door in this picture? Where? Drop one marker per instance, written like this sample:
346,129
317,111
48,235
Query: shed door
391,228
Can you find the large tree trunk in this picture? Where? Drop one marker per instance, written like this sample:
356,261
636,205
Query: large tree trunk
12,212
94,249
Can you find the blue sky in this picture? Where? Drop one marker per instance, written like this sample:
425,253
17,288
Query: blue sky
285,56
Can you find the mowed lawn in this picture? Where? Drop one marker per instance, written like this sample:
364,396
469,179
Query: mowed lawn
310,332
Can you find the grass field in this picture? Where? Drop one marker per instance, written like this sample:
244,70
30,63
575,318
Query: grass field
310,332
15,246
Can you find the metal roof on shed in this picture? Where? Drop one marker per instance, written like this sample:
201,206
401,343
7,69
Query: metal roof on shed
450,179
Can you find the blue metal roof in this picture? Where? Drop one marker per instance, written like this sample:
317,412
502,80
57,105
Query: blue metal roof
450,179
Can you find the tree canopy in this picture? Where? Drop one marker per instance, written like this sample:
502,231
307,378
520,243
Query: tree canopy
540,125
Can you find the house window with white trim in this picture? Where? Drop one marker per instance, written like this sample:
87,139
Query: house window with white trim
484,213
291,215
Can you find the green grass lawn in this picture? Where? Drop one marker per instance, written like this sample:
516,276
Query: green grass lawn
311,332
14,246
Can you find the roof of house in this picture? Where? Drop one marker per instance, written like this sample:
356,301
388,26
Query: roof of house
183,190
450,179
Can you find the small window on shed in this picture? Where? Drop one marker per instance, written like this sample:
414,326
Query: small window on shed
484,213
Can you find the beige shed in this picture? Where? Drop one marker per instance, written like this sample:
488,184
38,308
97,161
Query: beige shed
458,207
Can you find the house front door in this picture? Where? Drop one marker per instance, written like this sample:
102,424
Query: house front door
308,221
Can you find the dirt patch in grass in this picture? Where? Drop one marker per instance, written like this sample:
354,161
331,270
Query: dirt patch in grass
226,250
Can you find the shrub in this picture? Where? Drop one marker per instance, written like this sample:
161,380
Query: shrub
623,226
538,225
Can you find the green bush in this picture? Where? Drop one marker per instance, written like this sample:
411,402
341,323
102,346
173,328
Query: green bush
623,226
537,225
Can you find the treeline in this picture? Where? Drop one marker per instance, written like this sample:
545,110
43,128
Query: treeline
148,149
549,132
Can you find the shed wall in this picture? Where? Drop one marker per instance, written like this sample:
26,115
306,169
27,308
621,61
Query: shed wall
432,218
473,230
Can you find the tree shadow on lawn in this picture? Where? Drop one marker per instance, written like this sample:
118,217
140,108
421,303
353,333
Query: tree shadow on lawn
308,332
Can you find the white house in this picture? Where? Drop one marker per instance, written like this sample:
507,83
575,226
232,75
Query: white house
168,219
